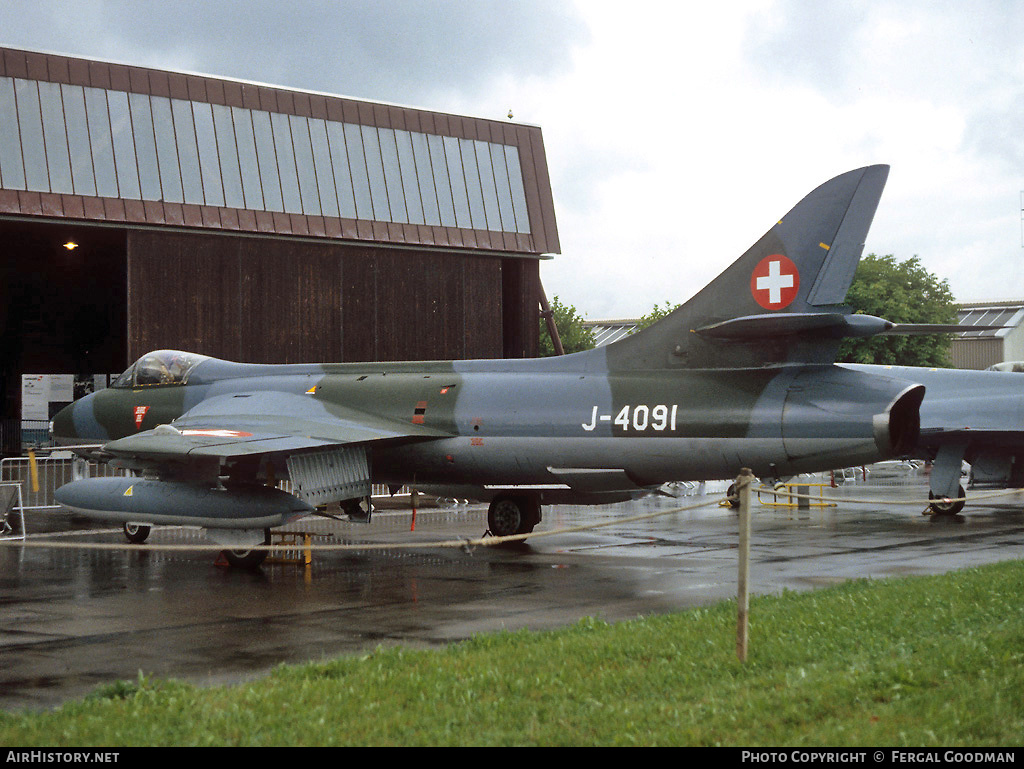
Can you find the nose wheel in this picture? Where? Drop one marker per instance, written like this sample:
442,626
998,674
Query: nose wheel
136,533
248,559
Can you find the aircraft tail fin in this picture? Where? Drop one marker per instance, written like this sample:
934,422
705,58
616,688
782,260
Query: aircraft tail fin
781,301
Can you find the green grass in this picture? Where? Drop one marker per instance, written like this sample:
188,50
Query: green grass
919,661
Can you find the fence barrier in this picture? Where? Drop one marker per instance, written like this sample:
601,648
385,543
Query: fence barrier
60,467
794,494
16,435
52,472
12,524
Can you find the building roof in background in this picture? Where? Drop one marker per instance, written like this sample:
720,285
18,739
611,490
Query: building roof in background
1009,314
102,142
608,331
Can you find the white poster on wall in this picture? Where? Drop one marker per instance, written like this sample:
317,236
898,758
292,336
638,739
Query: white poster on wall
35,397
38,391
62,388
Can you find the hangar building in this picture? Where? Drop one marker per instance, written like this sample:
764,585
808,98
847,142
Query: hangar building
143,209
981,349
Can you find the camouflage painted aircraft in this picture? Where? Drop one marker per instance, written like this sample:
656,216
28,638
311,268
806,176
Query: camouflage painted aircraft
741,375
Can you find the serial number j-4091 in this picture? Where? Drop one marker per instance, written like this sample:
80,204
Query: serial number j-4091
639,418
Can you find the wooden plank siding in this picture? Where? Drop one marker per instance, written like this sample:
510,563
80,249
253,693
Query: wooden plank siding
260,285
277,301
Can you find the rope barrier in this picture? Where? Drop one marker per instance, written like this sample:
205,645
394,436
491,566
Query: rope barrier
977,498
36,541
466,544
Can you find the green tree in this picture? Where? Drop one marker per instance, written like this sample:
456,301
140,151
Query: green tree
657,313
574,335
903,292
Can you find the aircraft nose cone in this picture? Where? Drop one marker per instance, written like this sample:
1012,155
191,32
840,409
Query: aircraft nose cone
62,426
77,422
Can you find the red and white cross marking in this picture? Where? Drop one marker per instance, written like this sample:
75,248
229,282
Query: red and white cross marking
775,282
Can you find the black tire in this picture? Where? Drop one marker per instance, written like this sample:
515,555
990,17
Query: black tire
939,506
248,559
353,508
510,515
732,497
136,533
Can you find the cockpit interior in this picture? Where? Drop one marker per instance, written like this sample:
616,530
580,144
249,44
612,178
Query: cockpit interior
160,368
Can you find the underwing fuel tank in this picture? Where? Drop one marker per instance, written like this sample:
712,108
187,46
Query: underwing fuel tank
138,500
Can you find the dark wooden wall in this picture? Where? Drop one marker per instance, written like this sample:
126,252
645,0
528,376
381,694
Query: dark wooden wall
520,288
266,300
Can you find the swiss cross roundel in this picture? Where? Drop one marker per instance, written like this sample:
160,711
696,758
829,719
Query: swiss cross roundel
775,282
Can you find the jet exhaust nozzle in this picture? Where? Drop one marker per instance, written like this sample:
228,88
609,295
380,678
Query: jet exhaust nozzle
898,428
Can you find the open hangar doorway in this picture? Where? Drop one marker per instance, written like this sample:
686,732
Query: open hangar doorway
63,309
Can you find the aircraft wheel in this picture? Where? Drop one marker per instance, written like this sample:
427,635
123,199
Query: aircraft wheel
732,497
512,515
248,559
353,508
940,507
135,533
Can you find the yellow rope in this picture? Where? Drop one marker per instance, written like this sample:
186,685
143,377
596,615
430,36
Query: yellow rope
38,541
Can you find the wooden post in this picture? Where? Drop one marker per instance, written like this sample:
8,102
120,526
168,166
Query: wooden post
743,484
549,318
33,470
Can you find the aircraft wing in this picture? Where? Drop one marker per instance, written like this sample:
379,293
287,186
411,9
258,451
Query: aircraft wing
243,424
966,435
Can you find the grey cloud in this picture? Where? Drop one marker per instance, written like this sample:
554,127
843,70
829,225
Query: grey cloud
390,50
994,132
804,41
940,47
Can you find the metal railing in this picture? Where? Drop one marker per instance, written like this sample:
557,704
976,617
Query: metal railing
60,467
794,494
51,472
16,435
12,516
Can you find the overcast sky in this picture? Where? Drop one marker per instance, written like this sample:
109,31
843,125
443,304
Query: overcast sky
676,132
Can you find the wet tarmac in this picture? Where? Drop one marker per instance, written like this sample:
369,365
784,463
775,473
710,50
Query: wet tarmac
74,619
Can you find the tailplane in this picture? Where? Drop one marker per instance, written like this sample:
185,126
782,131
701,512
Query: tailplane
782,301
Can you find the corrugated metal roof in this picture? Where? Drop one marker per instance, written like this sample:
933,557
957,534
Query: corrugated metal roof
1008,314
608,331
91,140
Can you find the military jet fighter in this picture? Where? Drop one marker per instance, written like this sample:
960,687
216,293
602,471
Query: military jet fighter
741,375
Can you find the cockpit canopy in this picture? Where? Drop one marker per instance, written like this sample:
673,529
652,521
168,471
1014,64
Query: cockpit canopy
163,367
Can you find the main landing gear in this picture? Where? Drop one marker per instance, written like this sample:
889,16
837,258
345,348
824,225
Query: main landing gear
945,492
510,514
248,559
946,506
